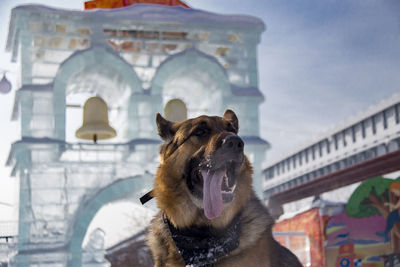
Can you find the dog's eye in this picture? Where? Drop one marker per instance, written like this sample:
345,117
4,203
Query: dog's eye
201,132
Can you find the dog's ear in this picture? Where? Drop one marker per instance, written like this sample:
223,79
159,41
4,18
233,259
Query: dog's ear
165,127
231,116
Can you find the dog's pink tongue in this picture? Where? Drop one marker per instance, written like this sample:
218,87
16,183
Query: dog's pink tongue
212,196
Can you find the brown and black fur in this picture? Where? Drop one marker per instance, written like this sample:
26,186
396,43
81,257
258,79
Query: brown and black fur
201,138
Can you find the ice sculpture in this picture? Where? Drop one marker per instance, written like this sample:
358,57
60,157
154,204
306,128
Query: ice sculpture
137,59
93,252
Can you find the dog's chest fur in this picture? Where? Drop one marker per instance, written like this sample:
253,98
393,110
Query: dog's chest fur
255,234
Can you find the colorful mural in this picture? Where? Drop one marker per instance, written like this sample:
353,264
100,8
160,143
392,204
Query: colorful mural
369,227
365,233
351,242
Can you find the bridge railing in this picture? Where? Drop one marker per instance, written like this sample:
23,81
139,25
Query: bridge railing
331,167
375,133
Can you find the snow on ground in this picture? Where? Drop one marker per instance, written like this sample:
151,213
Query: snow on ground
120,220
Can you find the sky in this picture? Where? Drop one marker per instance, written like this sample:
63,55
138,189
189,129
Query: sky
320,62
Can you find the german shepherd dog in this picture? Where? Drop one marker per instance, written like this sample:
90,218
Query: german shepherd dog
209,214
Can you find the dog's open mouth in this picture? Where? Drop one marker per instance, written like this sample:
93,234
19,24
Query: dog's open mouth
215,186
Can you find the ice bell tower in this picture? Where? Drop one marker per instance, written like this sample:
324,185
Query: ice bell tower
137,59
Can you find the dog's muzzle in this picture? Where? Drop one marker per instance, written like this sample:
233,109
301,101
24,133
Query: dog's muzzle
214,177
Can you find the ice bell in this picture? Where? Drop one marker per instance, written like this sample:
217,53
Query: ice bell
95,121
175,110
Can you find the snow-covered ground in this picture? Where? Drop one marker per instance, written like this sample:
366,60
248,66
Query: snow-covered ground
120,220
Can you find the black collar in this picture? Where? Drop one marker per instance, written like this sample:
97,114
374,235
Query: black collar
203,246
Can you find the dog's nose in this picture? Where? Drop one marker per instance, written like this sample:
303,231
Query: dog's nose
232,143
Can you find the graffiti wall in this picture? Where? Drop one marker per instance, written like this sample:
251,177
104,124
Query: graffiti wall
366,232
369,229
353,242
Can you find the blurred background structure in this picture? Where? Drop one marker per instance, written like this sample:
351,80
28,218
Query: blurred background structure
363,147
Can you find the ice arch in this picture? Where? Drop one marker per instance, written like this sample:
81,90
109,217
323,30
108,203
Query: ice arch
97,59
119,189
194,77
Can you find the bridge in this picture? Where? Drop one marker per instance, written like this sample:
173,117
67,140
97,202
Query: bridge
362,147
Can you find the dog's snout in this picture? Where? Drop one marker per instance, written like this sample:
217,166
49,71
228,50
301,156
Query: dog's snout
232,143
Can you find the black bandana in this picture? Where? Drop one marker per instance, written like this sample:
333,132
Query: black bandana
202,246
